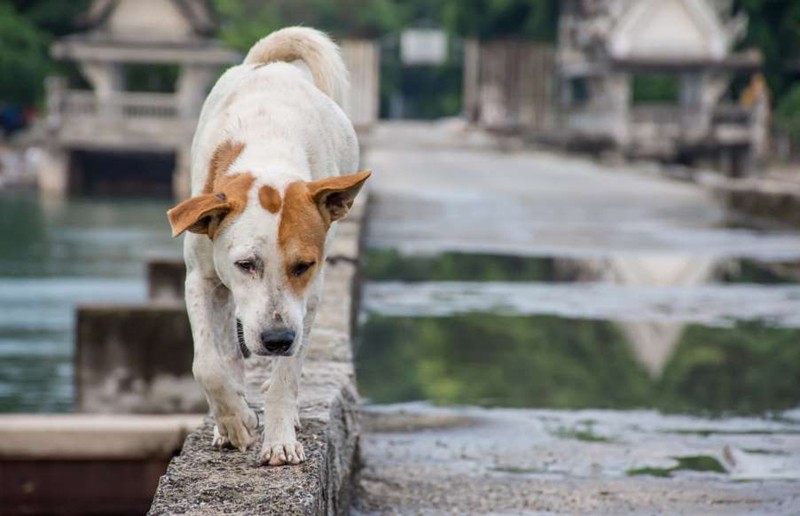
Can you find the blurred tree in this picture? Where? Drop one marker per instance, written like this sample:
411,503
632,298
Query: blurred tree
23,58
54,17
245,21
489,19
773,28
787,114
26,29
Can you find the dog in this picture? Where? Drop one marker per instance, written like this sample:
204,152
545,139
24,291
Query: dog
274,166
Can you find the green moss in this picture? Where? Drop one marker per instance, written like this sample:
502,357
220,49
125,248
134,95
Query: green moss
581,434
518,471
704,463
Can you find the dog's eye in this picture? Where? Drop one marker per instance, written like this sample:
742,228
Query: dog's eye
301,268
248,266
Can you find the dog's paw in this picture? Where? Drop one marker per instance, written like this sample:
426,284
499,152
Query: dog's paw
237,431
280,454
219,440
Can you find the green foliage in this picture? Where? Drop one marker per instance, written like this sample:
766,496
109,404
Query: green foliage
655,88
490,19
246,21
23,58
774,28
787,114
26,30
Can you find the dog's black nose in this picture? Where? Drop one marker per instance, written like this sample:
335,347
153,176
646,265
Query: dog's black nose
277,341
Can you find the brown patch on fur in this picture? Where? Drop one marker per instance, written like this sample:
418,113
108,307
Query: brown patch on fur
308,211
209,213
224,196
301,234
335,195
224,156
235,188
270,199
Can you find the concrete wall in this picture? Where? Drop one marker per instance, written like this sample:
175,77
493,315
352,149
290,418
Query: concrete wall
135,359
138,358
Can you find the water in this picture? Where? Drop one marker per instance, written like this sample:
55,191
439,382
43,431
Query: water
53,256
671,334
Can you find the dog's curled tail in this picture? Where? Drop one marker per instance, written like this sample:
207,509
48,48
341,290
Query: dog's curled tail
314,48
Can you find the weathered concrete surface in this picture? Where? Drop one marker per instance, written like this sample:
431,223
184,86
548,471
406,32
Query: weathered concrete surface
204,480
135,359
422,460
448,189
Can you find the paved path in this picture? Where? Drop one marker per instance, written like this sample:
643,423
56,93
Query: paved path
437,188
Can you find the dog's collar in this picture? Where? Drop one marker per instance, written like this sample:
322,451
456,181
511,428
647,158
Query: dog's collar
259,413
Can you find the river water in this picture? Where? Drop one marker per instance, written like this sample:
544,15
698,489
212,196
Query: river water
543,334
53,256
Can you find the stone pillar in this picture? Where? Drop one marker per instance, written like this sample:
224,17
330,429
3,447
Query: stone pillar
181,178
53,174
55,88
193,85
108,80
618,99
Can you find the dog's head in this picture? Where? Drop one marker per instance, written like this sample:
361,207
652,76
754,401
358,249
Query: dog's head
269,247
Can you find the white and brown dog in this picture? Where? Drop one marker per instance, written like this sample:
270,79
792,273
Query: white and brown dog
273,163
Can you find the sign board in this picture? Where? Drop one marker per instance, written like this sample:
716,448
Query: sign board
423,47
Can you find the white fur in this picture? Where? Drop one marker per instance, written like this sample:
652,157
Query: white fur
292,130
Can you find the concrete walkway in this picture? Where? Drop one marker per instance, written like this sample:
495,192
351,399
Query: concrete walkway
437,188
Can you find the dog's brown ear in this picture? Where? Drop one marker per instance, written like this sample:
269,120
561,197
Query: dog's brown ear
200,214
335,195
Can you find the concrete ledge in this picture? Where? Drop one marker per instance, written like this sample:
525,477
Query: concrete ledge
203,480
85,464
763,197
90,436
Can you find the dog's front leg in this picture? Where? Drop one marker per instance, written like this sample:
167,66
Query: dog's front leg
217,364
280,414
280,401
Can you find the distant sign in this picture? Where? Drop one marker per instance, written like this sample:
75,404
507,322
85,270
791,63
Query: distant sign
423,47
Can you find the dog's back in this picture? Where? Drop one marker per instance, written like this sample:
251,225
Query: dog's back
291,79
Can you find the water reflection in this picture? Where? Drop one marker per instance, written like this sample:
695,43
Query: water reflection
54,255
665,331
556,362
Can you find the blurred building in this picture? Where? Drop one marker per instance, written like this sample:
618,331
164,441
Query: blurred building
650,77
110,136
149,65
